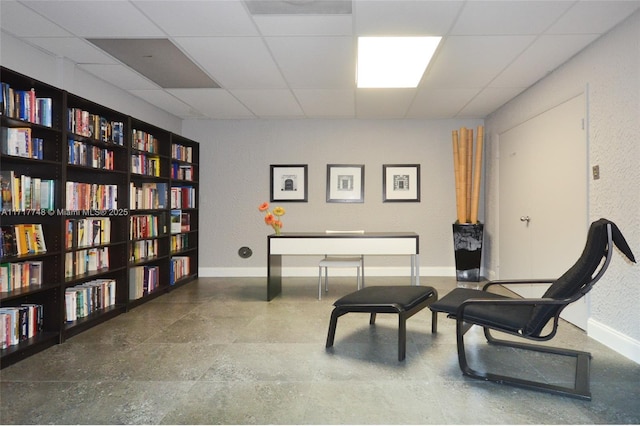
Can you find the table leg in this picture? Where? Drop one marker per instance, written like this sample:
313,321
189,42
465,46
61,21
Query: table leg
274,276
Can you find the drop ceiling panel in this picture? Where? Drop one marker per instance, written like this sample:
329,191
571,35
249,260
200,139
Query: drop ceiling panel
327,102
472,62
542,57
315,62
395,17
234,62
23,22
489,99
168,102
97,18
73,48
269,103
591,17
120,76
199,18
304,25
440,103
213,103
508,17
379,103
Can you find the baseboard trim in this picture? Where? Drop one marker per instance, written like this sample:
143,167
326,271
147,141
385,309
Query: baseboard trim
313,272
615,340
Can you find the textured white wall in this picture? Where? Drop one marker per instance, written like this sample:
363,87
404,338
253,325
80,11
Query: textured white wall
235,158
609,72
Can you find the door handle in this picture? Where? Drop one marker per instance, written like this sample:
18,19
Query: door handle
525,219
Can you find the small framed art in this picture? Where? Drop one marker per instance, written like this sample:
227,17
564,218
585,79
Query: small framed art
289,182
345,183
401,183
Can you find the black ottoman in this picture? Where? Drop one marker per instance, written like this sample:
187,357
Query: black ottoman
402,300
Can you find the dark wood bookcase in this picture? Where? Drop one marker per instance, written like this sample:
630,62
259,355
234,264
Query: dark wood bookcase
109,240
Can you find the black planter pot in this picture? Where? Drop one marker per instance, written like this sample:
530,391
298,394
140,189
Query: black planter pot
467,243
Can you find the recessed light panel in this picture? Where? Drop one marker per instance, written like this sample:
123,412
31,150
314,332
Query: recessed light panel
393,62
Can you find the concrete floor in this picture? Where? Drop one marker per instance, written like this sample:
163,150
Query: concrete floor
215,352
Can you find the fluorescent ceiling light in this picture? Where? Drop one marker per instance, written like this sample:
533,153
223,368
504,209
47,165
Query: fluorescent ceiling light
392,62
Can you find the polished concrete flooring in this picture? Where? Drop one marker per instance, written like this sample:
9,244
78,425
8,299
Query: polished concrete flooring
215,352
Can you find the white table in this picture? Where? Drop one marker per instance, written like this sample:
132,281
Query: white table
338,244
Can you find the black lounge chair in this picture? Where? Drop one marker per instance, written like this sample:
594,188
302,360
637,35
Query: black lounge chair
528,318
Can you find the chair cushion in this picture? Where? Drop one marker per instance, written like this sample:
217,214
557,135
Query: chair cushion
512,318
402,297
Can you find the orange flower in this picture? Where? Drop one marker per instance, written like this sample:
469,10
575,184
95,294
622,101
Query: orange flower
278,223
263,207
269,219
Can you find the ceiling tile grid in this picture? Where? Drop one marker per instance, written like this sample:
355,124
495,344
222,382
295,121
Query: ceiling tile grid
297,58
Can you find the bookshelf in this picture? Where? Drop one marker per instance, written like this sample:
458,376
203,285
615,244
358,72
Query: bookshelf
183,201
96,185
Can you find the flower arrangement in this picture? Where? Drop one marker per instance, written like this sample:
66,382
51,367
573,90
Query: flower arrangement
272,218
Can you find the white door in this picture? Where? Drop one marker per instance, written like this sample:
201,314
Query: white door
543,198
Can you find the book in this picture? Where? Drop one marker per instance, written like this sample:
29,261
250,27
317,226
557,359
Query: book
40,246
9,244
6,183
176,221
17,142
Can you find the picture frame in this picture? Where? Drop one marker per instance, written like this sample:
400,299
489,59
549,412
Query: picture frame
289,183
345,183
401,183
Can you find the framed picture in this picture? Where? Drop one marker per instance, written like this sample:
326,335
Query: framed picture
401,183
345,183
289,182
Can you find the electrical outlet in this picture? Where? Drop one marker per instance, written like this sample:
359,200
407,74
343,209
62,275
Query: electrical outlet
596,172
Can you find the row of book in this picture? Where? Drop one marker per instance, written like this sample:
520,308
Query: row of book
83,154
25,105
84,299
148,196
14,276
87,196
19,323
94,126
143,141
181,171
143,280
146,226
18,142
179,242
85,261
183,197
143,250
87,232
23,192
21,239
179,267
144,164
181,152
